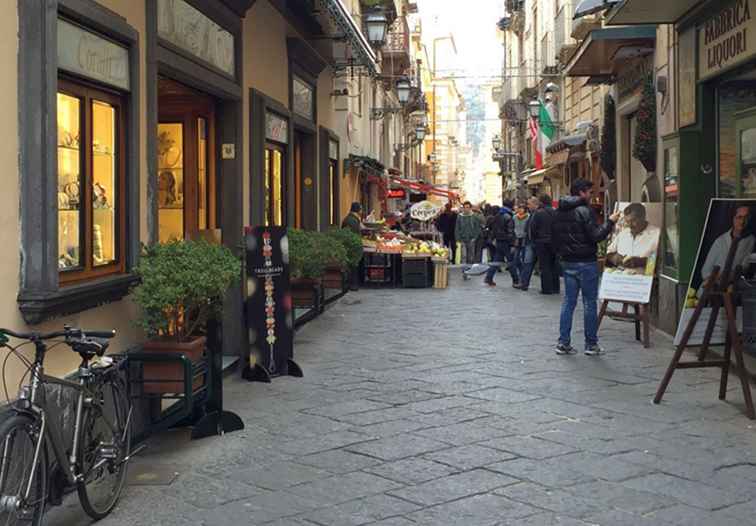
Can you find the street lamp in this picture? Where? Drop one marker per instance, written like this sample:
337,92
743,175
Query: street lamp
420,133
377,25
496,142
534,107
403,88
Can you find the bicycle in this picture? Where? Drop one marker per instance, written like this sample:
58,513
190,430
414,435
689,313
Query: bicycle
95,461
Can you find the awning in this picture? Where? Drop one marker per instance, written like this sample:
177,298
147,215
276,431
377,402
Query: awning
332,14
589,7
370,165
424,188
567,142
537,176
595,55
631,12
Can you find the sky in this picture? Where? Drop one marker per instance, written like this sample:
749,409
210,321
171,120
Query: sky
473,25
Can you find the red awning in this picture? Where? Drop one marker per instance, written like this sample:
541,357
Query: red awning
424,188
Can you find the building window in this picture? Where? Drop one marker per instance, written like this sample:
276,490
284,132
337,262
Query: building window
303,98
91,187
671,245
333,182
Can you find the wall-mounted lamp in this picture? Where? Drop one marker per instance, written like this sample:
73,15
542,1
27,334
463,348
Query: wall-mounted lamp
377,26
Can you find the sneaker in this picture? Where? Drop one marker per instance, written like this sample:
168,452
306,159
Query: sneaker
565,349
594,350
490,283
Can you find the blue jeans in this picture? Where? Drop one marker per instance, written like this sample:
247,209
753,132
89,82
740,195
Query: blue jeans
580,277
526,256
503,254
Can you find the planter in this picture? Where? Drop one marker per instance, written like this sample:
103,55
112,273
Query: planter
601,263
305,293
334,277
173,371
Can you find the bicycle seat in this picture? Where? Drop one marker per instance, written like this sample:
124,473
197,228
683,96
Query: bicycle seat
90,346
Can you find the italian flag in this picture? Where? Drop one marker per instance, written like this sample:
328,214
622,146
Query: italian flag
547,129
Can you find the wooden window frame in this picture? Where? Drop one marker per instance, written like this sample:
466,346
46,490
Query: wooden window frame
87,93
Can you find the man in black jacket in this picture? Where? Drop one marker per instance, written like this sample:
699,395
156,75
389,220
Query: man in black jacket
540,230
575,234
503,235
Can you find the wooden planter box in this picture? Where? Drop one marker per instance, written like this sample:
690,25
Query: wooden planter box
305,293
334,278
193,350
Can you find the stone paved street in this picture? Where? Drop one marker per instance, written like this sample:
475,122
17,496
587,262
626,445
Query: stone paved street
426,407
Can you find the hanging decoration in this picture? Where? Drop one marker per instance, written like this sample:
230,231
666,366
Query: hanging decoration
644,148
609,138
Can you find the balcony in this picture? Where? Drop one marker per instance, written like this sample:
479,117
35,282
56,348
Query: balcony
564,44
548,56
397,58
584,25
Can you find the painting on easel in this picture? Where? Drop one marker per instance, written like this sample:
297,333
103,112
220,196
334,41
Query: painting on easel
726,219
631,254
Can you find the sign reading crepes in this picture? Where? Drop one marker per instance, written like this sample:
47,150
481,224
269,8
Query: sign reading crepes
726,39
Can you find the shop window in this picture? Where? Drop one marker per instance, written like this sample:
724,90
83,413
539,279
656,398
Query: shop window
671,241
333,195
273,183
90,182
734,98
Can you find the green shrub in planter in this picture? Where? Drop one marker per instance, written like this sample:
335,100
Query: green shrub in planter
352,244
182,284
333,250
306,260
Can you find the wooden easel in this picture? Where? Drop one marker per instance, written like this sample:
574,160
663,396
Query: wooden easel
718,292
640,316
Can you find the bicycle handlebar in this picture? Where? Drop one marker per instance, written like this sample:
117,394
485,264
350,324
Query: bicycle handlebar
67,332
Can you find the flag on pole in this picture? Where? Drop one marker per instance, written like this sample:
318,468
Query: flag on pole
546,127
534,135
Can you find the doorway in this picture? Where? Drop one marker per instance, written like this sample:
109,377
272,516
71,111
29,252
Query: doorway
745,127
187,202
305,205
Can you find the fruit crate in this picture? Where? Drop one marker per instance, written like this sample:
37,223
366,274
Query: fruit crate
377,260
417,273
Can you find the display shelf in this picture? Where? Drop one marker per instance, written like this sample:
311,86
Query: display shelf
64,148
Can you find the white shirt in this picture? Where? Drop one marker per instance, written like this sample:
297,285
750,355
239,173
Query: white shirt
644,245
717,256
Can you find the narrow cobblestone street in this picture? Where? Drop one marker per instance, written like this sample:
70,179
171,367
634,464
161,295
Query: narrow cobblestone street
427,407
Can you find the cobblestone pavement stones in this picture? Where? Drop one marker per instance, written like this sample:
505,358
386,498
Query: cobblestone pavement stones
428,407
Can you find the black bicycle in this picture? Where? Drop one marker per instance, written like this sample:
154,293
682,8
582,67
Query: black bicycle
94,461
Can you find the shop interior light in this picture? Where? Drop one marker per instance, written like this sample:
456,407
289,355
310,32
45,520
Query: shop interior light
377,25
403,87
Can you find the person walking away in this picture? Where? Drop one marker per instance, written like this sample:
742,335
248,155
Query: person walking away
545,251
446,223
503,233
488,238
520,222
467,231
576,234
353,222
528,255
480,243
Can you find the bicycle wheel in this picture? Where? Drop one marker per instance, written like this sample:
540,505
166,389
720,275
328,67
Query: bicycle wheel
18,441
104,444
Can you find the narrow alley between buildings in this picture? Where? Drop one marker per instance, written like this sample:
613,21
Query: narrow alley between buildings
442,407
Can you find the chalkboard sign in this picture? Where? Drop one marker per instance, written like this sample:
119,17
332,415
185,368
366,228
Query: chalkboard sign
270,318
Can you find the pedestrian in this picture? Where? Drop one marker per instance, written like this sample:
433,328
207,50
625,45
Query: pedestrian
527,255
503,234
545,251
467,231
480,243
353,221
446,224
520,222
492,213
576,233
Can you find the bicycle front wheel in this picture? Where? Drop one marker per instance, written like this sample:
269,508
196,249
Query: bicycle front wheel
22,482
104,444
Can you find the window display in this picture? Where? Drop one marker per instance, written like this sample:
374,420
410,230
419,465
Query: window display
171,181
89,182
273,183
671,246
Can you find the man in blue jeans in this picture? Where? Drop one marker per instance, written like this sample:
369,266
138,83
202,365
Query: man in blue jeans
576,234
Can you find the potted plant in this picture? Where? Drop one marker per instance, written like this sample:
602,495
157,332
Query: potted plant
307,260
336,274
601,254
182,285
338,266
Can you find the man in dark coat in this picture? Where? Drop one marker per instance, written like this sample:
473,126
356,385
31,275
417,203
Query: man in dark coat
503,234
576,234
540,227
446,223
353,221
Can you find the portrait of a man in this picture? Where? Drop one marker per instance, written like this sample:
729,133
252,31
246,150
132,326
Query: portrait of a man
739,228
635,241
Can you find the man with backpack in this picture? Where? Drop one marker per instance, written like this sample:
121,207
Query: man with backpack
503,235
